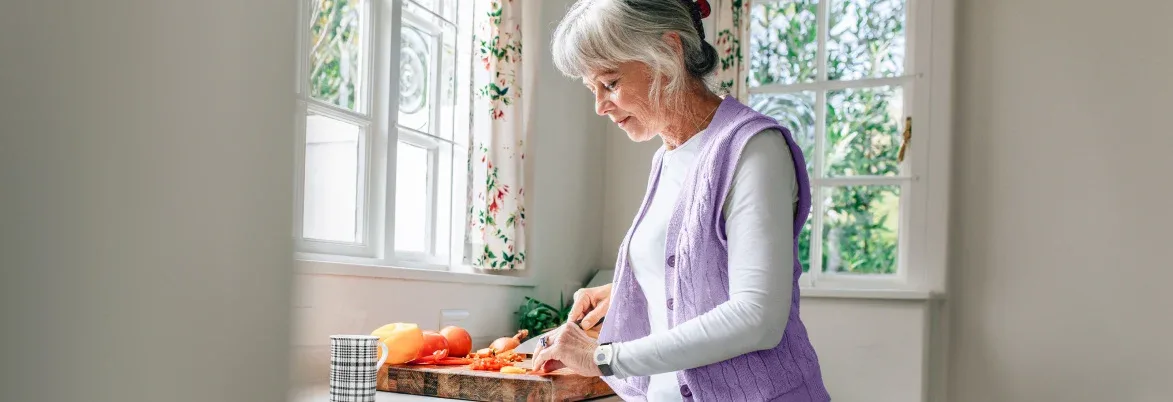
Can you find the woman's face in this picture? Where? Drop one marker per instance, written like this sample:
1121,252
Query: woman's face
622,95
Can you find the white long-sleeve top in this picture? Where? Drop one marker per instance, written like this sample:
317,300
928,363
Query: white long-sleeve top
759,214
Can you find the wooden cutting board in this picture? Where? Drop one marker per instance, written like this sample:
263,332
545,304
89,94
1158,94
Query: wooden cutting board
460,382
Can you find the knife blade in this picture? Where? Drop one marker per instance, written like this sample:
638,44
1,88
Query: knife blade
530,345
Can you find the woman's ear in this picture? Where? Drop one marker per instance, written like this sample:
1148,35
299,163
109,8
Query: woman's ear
673,41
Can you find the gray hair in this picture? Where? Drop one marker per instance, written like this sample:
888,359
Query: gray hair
597,35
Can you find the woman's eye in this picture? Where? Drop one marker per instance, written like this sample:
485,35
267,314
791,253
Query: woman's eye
610,86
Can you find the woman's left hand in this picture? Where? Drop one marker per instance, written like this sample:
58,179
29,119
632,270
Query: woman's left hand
568,346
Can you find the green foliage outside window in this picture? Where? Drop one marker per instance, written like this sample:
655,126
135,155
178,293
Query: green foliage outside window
865,40
335,48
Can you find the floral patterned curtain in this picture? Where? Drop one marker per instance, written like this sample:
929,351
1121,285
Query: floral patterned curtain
731,24
497,147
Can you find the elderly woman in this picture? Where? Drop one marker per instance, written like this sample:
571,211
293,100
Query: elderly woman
704,302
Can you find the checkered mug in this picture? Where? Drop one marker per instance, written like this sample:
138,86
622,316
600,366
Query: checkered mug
354,367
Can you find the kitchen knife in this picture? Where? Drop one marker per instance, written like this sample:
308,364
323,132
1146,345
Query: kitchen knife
531,345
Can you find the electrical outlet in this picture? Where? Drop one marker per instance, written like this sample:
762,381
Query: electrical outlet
457,317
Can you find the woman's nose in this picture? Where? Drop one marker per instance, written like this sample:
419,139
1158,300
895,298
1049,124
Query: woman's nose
602,105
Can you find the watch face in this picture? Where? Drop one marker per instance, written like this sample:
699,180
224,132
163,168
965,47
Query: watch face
599,357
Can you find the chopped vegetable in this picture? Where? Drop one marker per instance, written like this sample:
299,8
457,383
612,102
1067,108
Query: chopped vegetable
488,363
510,356
454,361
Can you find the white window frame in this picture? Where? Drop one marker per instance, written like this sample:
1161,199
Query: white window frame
924,179
378,113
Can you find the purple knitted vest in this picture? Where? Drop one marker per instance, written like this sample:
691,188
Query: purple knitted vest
697,276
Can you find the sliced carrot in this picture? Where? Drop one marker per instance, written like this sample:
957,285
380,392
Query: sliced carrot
447,361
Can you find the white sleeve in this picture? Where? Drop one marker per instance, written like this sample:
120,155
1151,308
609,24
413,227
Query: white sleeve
759,213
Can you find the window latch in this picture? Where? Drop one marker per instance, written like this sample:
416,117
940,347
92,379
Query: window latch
907,138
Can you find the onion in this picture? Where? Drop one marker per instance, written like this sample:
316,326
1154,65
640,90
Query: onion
505,344
459,341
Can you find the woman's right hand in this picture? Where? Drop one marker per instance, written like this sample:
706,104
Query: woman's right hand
590,305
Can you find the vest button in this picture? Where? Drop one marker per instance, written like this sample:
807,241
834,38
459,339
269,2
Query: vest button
670,303
685,392
672,261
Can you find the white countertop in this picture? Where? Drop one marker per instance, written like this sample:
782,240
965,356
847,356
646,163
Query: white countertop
322,394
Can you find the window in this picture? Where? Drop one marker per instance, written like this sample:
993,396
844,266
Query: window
382,155
846,76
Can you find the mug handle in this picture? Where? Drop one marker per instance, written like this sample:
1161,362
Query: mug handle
386,354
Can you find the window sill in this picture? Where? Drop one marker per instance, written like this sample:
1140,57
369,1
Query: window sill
872,294
312,265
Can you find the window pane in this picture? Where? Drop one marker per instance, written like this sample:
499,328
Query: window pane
865,39
331,179
804,244
415,78
448,84
449,9
442,182
445,8
863,131
783,42
461,198
860,229
462,74
335,59
411,198
795,111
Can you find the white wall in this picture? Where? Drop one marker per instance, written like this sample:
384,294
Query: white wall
1060,268
564,214
568,179
871,350
145,200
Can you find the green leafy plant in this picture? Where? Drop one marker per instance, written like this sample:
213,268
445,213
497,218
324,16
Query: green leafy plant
538,317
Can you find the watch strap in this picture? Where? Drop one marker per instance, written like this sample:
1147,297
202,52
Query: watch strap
605,367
